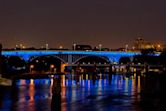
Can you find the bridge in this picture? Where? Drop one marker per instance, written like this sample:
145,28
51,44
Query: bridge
70,56
60,59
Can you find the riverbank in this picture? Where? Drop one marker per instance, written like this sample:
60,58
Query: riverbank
5,82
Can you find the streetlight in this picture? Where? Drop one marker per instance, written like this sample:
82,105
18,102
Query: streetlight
52,67
126,47
74,46
31,67
23,47
46,46
16,46
60,47
100,45
133,48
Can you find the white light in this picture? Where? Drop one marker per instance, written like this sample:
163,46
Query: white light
74,46
60,47
100,45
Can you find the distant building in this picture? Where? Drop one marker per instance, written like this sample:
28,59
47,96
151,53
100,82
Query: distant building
82,47
160,47
140,44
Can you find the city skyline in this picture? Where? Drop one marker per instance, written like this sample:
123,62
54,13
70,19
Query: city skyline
110,23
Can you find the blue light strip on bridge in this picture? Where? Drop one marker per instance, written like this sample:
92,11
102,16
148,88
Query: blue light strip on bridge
33,53
113,56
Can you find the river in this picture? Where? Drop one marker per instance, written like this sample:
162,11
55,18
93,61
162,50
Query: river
103,92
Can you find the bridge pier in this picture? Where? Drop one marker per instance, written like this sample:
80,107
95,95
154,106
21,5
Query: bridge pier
63,65
69,59
56,94
110,69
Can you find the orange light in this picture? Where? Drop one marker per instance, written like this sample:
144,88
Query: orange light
31,66
52,66
60,47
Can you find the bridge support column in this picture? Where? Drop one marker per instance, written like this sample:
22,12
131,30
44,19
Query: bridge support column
63,65
110,73
26,57
110,69
69,59
56,94
56,88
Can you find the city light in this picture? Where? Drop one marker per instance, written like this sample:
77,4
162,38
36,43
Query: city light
46,46
31,66
74,46
100,46
52,66
60,47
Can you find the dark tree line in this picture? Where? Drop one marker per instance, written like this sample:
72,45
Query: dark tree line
163,58
147,56
12,65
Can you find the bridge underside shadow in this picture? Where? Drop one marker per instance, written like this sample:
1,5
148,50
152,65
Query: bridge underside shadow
92,60
45,63
93,64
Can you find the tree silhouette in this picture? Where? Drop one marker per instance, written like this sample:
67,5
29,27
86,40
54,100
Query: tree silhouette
163,58
147,52
15,65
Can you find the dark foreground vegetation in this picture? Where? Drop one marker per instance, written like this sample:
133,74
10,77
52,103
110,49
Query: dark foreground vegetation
146,57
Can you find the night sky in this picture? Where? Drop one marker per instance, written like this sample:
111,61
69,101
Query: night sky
112,23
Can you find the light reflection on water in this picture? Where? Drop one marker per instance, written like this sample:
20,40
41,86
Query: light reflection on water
102,93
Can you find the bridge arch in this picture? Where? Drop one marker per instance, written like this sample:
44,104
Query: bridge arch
92,59
93,64
52,56
46,63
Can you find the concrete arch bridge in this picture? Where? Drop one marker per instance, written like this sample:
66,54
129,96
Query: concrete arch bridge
61,59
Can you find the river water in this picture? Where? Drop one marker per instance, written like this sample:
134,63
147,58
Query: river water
102,93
